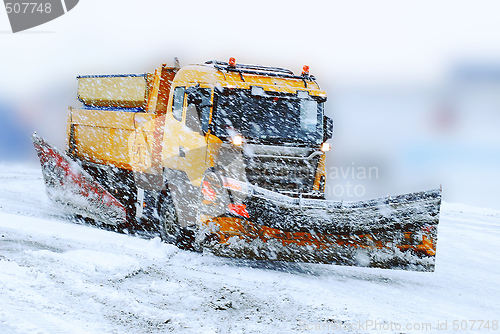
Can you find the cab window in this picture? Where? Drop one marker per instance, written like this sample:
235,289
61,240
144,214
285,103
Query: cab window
178,103
198,109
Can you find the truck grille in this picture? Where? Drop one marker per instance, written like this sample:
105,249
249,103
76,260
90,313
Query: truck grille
282,174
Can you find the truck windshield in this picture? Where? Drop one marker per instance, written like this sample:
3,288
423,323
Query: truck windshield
264,116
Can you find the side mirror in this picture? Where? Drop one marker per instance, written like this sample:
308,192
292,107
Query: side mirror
204,115
327,128
193,119
199,101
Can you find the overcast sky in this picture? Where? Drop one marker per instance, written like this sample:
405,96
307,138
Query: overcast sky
349,42
342,41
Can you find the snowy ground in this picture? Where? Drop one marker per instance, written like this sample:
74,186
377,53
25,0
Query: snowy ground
57,276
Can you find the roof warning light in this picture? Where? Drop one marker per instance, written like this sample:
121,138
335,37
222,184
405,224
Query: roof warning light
305,70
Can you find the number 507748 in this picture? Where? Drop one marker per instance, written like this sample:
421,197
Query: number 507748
28,7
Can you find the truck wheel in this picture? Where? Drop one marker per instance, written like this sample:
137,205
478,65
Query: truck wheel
170,231
169,227
214,197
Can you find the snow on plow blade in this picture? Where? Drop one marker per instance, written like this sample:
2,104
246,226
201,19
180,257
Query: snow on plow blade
393,232
68,184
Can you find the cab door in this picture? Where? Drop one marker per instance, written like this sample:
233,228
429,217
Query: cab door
173,126
192,141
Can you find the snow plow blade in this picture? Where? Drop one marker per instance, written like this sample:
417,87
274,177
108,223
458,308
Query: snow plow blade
393,232
68,184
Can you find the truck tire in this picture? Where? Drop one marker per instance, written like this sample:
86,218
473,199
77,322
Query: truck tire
169,227
170,230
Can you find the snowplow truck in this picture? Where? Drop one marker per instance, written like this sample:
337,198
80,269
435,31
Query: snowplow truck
228,158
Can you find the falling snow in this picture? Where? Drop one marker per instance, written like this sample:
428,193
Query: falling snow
58,275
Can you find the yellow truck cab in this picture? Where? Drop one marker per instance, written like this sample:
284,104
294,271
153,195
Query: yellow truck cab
261,125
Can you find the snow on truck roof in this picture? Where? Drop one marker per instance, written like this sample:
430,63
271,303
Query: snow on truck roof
246,76
132,90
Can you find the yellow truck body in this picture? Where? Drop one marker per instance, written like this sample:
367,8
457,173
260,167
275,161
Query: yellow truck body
146,136
229,157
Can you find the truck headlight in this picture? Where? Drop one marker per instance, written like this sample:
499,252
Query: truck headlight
238,140
325,147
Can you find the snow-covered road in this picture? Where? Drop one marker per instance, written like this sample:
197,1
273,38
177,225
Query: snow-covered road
57,276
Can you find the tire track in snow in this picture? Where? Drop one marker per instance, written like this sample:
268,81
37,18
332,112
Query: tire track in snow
27,319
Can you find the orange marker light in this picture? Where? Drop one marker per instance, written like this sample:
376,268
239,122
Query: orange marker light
305,70
232,62
238,209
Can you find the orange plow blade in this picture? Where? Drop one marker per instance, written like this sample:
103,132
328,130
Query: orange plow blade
394,232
